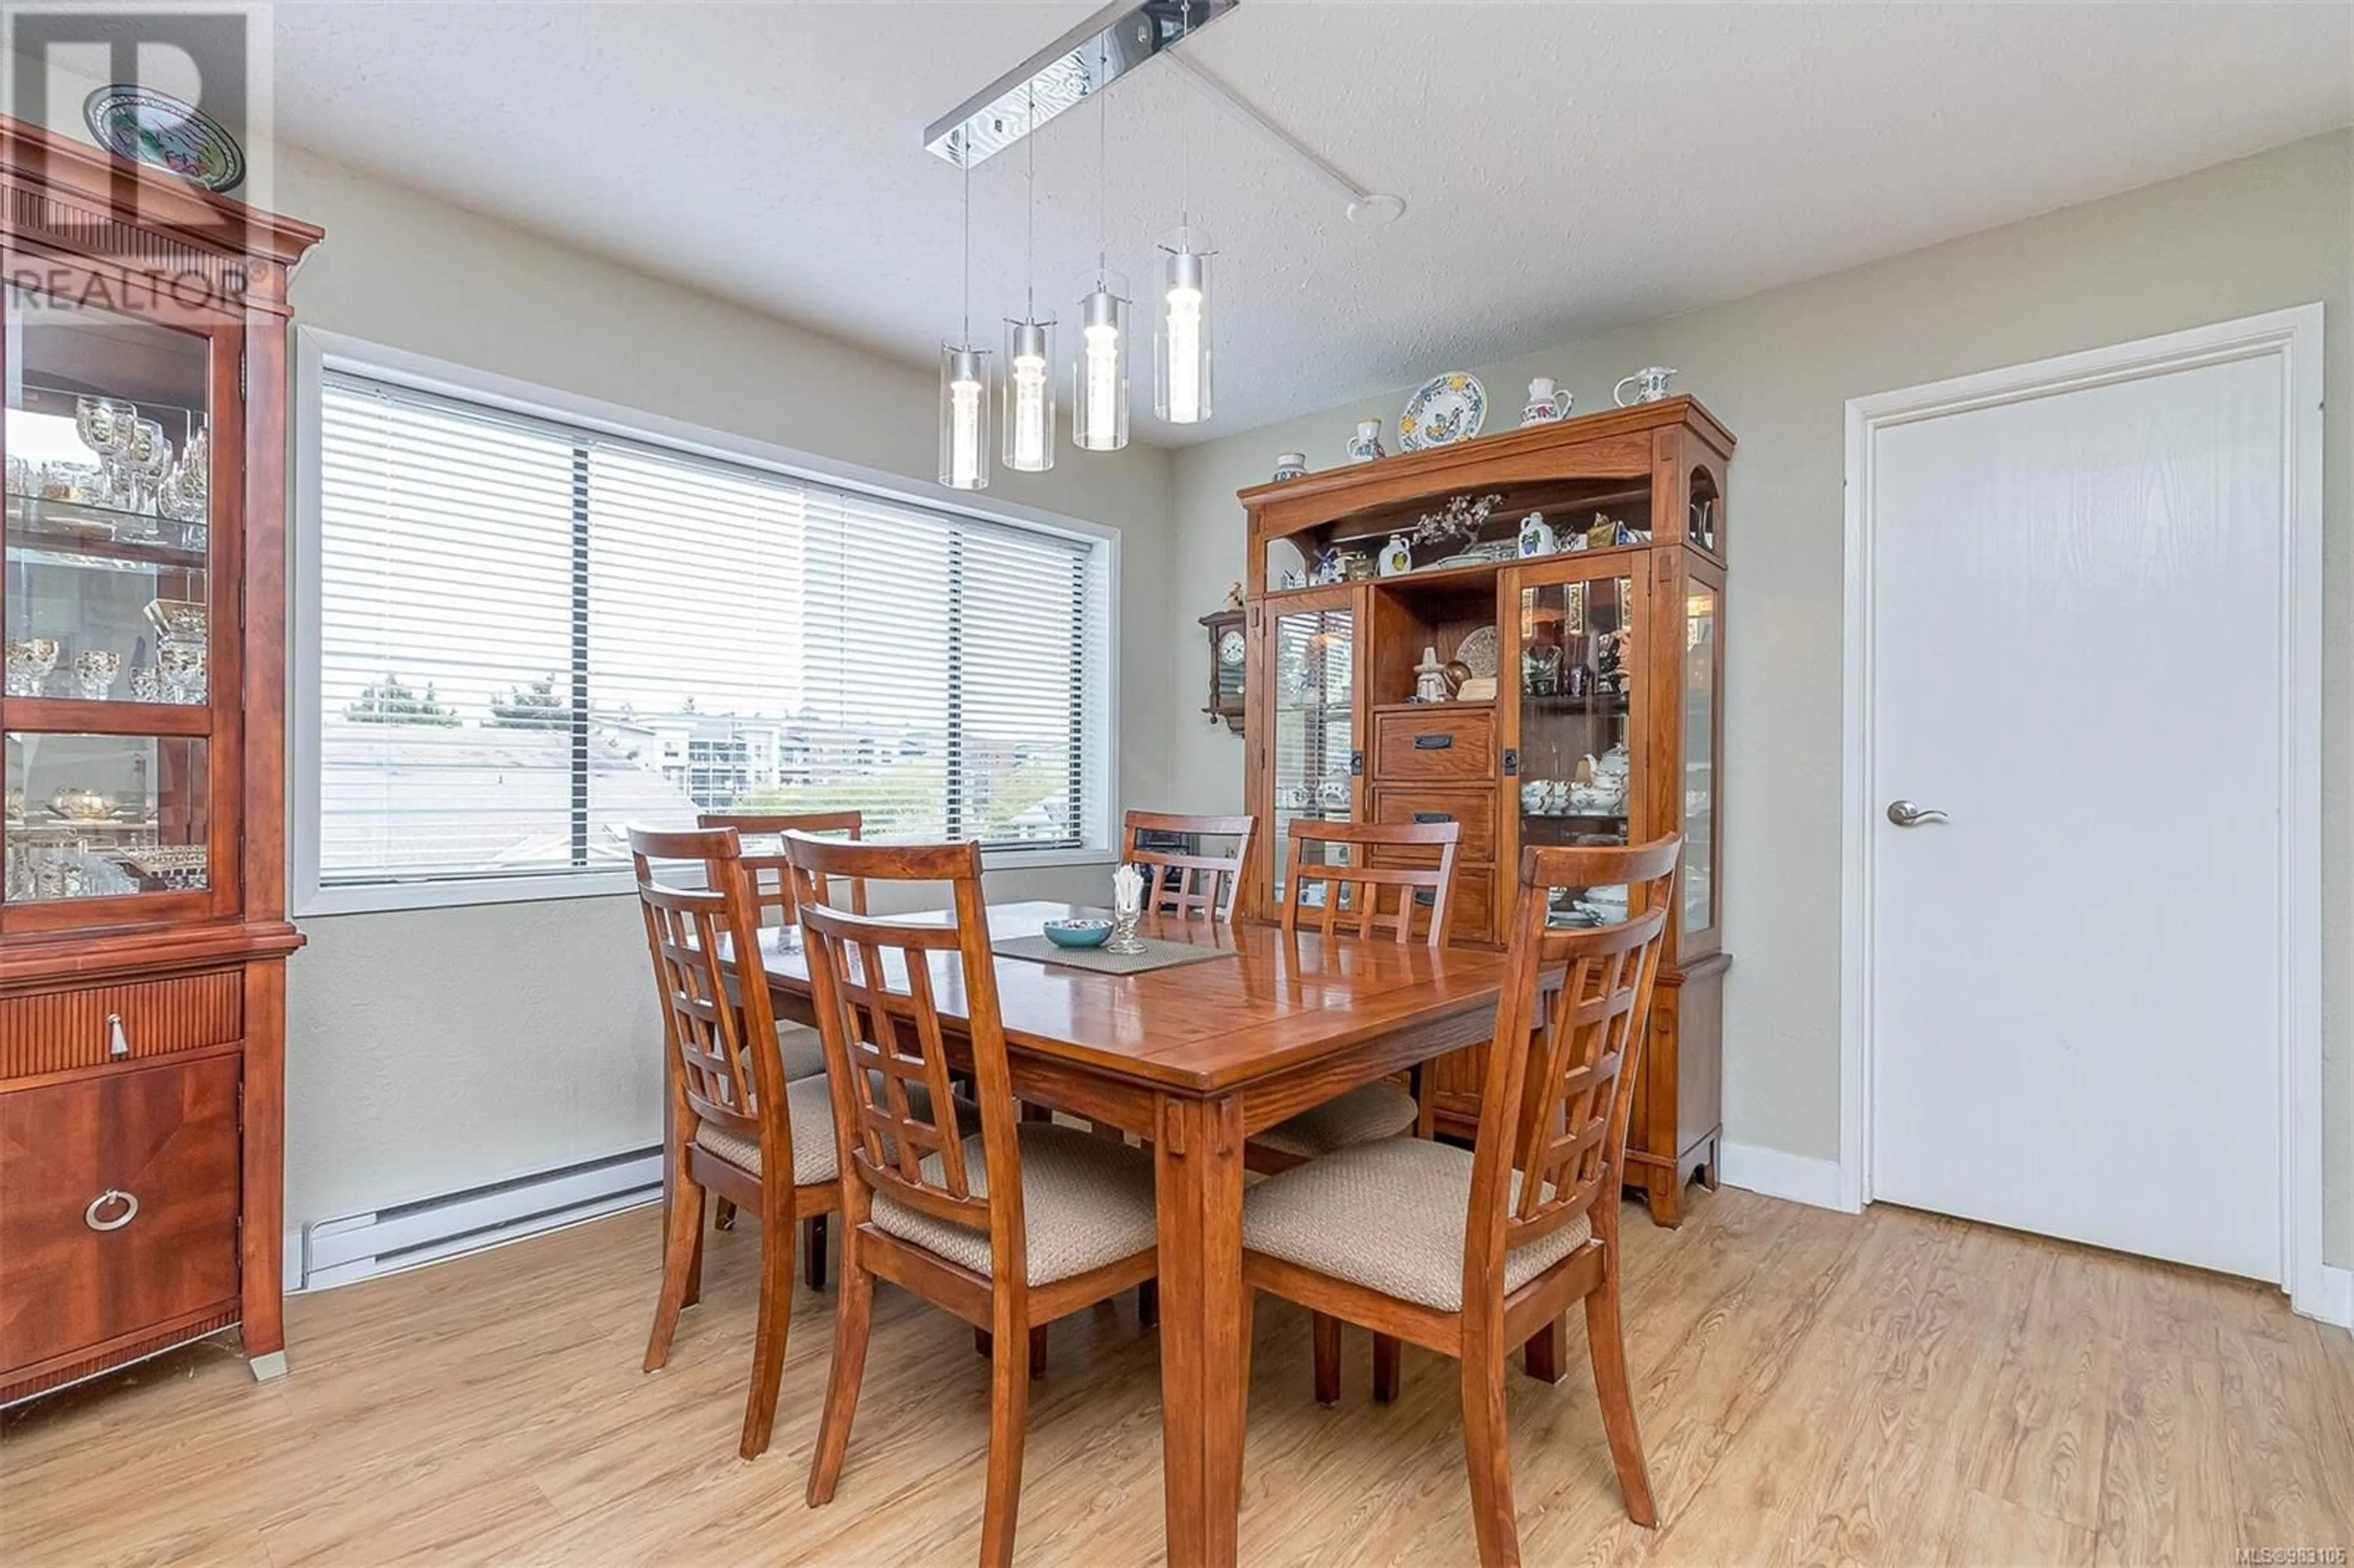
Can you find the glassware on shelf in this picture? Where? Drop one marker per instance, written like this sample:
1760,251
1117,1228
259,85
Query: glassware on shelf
182,664
94,670
146,683
105,424
30,661
78,483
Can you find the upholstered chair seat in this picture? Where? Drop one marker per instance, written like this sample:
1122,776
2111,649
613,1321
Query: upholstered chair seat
810,1105
1389,1215
803,1051
1375,1110
1085,1201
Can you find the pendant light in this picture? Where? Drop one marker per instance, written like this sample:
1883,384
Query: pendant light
1099,396
1180,337
964,389
1029,350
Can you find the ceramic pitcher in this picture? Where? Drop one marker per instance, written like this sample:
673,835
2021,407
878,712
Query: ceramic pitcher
1650,385
1544,405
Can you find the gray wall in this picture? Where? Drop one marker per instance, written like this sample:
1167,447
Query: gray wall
434,1049
2246,237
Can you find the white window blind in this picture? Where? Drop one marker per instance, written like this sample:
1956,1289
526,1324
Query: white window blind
533,635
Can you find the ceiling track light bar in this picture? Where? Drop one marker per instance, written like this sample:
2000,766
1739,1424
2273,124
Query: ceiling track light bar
1365,206
1082,62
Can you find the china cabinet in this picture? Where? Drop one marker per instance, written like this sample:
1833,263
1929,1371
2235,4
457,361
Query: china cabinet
142,933
1570,578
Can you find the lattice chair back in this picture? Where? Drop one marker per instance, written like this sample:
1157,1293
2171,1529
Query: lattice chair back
1337,881
1561,1071
1192,884
770,871
721,1036
879,986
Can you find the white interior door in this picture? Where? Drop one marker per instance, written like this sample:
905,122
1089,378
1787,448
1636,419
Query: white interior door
2077,631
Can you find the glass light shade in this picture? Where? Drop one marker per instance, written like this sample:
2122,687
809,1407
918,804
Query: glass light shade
964,418
1029,392
1180,336
1099,386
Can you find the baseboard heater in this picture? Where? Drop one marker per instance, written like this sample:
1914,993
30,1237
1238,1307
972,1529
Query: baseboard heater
362,1246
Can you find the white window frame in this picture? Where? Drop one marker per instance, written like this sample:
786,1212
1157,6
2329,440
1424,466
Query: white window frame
318,352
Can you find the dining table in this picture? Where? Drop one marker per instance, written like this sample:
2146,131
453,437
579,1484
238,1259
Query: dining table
1194,1058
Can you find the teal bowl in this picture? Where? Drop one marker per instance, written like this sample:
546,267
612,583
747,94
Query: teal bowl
1078,933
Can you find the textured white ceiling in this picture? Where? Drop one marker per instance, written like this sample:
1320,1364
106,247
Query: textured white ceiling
1569,168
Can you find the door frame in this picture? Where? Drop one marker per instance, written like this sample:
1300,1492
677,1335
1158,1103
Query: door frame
2293,338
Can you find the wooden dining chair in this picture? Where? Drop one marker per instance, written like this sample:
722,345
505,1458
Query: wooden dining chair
1189,883
1335,883
738,1128
772,896
1471,1253
1005,1223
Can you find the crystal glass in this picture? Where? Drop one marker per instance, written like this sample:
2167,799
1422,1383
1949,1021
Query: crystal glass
1127,908
30,660
94,671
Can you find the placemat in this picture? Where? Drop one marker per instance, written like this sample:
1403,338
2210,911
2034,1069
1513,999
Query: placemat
1157,955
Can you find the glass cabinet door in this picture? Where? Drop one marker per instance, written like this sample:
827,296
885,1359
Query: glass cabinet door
95,816
1702,660
1577,770
107,567
1314,662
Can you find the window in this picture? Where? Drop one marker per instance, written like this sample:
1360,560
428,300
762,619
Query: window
531,633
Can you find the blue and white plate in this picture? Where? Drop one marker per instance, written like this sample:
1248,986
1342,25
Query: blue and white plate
1445,410
151,127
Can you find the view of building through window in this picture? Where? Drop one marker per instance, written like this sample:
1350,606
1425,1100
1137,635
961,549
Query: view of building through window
532,635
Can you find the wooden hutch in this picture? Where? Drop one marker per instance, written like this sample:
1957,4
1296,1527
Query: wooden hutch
1602,723
142,929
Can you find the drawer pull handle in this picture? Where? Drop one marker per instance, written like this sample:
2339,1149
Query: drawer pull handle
1433,742
118,1044
1434,816
112,1195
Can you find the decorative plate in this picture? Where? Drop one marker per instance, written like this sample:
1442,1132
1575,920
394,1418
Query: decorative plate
1478,651
154,128
1447,408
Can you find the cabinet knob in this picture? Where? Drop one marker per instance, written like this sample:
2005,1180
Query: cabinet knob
1434,742
118,1044
113,1197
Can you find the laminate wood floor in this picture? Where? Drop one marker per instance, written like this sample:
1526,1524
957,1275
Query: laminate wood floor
1894,1388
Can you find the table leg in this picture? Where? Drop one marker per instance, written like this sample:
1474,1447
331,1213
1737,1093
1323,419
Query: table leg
1198,1179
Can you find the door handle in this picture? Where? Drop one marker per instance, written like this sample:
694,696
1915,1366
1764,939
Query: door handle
1434,742
1905,815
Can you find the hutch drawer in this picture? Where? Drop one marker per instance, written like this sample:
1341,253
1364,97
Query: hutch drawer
1473,809
1434,743
118,1208
53,1031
